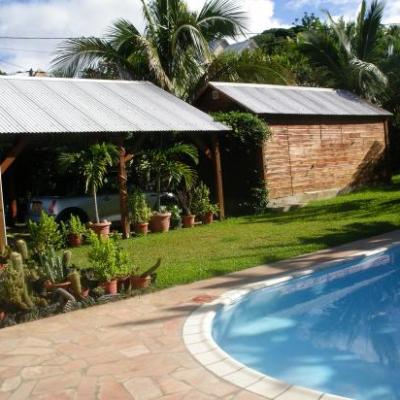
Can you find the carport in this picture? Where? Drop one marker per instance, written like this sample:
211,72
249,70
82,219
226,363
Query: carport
34,110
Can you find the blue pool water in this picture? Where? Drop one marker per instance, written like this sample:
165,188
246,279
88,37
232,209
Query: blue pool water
336,330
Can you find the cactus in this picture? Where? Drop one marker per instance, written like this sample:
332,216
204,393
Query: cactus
53,266
66,259
75,279
18,264
13,288
23,249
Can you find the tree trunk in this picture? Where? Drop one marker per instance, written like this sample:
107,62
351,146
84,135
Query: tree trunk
96,208
158,192
123,191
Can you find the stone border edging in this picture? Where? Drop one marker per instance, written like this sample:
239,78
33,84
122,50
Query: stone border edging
200,343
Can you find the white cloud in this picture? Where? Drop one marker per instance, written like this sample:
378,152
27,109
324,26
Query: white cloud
59,18
63,18
392,14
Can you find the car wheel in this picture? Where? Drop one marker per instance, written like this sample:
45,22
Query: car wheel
65,215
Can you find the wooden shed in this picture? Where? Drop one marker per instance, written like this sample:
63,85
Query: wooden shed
323,141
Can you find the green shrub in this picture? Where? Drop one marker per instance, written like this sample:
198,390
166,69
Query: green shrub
140,212
108,261
246,127
73,227
44,234
201,203
176,219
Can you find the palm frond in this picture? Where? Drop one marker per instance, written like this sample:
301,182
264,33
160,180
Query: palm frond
183,149
367,28
75,55
222,18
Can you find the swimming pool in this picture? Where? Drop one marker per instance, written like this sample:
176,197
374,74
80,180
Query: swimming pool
336,330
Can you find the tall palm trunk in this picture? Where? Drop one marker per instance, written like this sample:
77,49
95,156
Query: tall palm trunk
158,188
96,208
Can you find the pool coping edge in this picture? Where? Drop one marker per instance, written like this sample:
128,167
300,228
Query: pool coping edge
201,345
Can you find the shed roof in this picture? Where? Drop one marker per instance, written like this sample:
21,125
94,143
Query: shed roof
55,105
297,100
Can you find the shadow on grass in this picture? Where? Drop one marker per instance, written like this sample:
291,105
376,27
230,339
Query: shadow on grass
312,212
350,233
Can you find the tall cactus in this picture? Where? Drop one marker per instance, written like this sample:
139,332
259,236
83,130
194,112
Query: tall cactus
14,287
76,286
22,248
66,259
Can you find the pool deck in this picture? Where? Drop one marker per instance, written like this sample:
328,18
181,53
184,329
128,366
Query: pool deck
134,349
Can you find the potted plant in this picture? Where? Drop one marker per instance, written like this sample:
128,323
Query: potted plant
202,205
164,165
209,212
176,219
144,280
73,230
92,164
108,262
185,200
54,268
140,212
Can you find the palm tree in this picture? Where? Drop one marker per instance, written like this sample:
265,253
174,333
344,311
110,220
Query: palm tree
164,165
250,66
172,49
92,164
347,54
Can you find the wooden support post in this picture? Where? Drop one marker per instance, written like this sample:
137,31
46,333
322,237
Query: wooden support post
3,228
123,190
218,175
13,154
12,195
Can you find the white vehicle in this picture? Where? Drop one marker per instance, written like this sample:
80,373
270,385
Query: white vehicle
62,207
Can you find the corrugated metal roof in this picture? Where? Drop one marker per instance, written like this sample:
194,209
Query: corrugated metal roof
53,105
297,100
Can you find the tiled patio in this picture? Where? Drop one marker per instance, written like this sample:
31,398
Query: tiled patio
132,349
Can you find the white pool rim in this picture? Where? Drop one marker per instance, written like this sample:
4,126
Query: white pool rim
197,335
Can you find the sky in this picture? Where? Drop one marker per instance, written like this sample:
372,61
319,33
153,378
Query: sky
61,18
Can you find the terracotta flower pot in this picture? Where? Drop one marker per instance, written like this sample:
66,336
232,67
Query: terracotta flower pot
111,287
101,228
53,286
188,221
85,293
160,222
74,240
2,315
207,218
138,282
123,283
142,229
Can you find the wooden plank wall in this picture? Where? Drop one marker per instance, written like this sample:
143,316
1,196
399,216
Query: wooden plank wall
316,157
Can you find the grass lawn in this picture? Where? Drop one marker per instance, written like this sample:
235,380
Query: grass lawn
237,243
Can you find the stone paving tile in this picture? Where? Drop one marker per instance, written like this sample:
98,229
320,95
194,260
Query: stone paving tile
87,388
109,388
133,349
143,388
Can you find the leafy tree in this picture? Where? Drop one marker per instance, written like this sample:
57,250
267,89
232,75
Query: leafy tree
92,164
251,66
279,44
172,50
347,55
